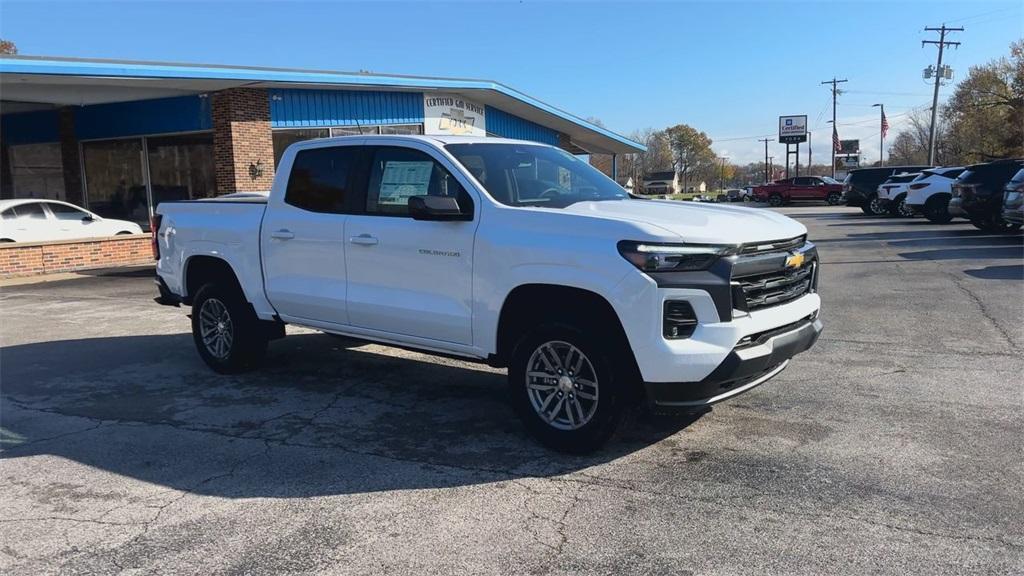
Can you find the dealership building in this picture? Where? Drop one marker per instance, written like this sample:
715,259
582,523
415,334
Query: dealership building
119,137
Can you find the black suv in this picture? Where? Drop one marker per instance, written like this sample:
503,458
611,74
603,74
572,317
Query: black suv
861,186
978,194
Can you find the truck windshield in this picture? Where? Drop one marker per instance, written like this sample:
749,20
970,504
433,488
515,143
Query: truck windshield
526,175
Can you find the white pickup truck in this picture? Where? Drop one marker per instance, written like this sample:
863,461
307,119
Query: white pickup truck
513,253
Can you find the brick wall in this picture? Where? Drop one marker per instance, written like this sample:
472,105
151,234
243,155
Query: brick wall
31,258
242,140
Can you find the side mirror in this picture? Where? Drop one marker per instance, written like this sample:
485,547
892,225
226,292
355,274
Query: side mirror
439,208
87,218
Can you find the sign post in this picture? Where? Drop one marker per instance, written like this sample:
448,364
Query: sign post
793,130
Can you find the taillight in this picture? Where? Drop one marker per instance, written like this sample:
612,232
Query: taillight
919,186
154,229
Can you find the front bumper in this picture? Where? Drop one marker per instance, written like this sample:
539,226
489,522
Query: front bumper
748,365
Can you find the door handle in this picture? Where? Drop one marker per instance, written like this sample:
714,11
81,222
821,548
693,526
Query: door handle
282,234
363,240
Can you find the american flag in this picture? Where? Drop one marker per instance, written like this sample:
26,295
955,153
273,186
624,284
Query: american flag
835,140
885,124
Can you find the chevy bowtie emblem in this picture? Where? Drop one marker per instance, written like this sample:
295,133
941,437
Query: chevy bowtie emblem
795,260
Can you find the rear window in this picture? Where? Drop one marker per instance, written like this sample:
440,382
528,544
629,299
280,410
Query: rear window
320,179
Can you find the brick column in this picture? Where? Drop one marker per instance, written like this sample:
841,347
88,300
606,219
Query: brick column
243,149
69,157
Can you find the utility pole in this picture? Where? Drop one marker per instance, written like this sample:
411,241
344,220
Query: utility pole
766,141
721,177
809,152
941,43
771,162
835,93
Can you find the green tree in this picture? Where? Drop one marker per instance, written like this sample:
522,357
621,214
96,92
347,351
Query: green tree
691,153
985,113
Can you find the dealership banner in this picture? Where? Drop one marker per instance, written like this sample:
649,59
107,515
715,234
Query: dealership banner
452,114
792,129
849,147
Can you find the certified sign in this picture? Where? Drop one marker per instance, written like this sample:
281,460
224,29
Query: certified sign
792,129
453,114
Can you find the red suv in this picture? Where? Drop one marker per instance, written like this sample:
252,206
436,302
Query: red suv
800,188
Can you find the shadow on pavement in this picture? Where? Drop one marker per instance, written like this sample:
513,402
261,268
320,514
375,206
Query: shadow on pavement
989,253
324,416
1011,272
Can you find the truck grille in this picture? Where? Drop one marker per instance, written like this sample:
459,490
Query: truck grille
764,280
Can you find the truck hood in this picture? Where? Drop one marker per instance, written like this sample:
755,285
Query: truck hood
697,222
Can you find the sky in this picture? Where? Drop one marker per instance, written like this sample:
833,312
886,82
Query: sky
726,68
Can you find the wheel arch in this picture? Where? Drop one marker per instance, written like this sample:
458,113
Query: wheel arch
201,269
529,304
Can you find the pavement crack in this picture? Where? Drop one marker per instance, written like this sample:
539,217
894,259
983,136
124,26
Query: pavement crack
959,283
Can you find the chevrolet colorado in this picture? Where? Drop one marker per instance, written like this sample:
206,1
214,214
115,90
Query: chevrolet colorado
512,253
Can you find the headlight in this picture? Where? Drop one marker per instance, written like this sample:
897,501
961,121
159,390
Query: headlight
652,257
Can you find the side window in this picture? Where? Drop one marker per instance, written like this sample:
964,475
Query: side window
397,174
65,212
33,210
8,214
320,179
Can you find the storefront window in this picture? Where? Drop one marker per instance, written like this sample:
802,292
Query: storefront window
181,167
285,138
114,179
36,171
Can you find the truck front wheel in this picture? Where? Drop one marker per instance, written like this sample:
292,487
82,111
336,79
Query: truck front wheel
564,386
776,200
226,331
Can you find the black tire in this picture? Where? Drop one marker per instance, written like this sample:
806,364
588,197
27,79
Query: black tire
995,224
834,198
776,200
241,343
601,364
874,206
902,209
936,209
865,208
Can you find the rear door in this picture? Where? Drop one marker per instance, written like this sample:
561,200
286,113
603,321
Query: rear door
28,222
411,277
303,235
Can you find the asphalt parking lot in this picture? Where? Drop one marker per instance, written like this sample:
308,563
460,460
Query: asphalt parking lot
894,446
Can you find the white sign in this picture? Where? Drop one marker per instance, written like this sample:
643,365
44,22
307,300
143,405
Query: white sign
453,114
792,129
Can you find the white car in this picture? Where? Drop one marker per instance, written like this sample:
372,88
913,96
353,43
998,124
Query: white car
512,253
34,220
893,191
929,193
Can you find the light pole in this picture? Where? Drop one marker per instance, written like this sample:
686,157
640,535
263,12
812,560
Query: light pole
809,152
721,177
881,138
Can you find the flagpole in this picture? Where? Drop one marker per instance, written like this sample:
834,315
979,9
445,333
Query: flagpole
881,135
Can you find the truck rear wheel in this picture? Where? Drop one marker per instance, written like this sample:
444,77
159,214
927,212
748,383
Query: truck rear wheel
834,198
565,388
225,329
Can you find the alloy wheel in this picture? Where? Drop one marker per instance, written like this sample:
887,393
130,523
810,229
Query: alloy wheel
904,210
216,328
876,206
562,385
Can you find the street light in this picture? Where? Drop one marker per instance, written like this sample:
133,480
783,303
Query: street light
881,135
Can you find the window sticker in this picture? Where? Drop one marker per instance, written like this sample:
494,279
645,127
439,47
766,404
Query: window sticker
402,179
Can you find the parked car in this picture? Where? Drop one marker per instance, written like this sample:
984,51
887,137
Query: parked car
507,252
1013,200
33,220
860,188
978,194
734,195
930,192
800,188
893,192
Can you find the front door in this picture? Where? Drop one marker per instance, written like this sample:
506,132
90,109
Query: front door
303,236
410,277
